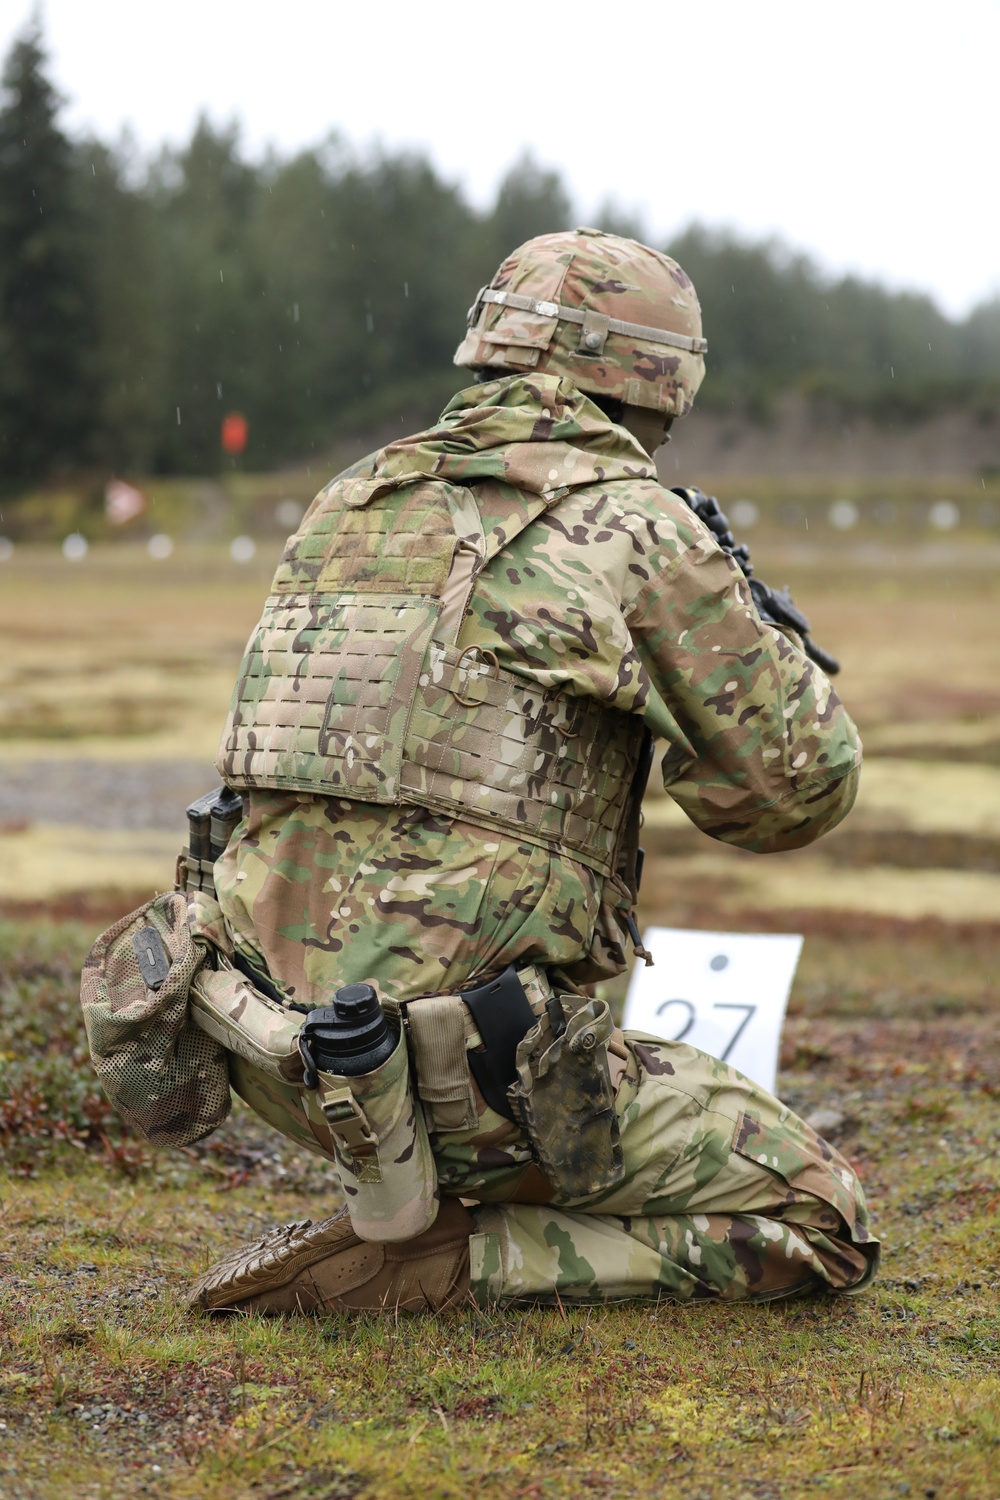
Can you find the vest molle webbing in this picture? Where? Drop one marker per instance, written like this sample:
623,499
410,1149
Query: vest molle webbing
351,684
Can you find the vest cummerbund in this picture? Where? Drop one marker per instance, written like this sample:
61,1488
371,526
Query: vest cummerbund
347,694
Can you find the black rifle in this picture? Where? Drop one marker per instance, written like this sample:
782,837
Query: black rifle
776,606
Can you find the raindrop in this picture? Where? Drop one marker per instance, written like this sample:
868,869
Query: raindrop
843,514
406,288
242,549
178,416
6,549
295,312
74,547
370,321
744,514
944,514
160,546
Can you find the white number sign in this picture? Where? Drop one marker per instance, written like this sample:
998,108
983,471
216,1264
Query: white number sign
724,992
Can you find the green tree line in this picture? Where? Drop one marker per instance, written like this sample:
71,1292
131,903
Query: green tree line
323,294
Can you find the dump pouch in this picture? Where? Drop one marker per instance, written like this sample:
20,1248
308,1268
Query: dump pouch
383,1153
165,1077
564,1103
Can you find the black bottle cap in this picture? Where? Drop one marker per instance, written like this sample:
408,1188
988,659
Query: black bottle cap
356,1001
350,1036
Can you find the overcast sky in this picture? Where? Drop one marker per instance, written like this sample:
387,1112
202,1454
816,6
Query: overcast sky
864,132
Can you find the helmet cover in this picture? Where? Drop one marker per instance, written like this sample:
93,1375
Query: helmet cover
616,317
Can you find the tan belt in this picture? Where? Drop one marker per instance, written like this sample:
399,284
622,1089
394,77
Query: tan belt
440,1033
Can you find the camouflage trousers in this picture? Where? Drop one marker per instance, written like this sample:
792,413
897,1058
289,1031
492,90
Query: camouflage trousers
726,1194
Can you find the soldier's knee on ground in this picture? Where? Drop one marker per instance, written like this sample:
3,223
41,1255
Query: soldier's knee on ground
524,1253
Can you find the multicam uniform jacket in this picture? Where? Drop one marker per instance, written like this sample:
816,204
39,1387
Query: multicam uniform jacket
600,588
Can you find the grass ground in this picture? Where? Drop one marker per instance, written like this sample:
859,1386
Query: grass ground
107,1389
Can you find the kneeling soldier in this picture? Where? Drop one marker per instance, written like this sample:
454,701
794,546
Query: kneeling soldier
440,732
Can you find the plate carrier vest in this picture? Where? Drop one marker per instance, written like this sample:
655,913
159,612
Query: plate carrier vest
353,685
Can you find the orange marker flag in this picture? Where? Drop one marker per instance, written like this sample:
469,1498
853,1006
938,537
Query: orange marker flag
235,431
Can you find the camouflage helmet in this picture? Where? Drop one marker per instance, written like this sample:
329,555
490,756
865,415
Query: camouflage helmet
616,317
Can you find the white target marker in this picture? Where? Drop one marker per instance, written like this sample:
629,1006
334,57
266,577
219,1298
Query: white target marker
723,992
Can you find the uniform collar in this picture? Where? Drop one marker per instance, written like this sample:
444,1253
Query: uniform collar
537,432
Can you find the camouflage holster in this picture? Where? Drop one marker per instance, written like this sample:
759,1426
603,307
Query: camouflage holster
165,1077
564,1102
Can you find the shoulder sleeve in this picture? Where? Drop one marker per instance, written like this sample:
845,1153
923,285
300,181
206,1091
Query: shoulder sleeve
761,752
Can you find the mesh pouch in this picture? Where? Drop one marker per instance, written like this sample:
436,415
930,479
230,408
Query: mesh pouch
165,1077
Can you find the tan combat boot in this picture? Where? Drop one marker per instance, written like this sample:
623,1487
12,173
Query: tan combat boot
306,1267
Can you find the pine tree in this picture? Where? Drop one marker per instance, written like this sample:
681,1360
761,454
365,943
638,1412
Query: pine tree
46,332
530,200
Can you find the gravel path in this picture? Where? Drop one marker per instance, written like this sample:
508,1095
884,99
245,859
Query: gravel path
103,794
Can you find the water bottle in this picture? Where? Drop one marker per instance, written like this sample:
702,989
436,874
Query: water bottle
359,1067
350,1037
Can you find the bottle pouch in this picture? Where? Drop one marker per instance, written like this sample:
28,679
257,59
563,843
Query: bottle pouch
165,1077
383,1152
371,1125
564,1102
